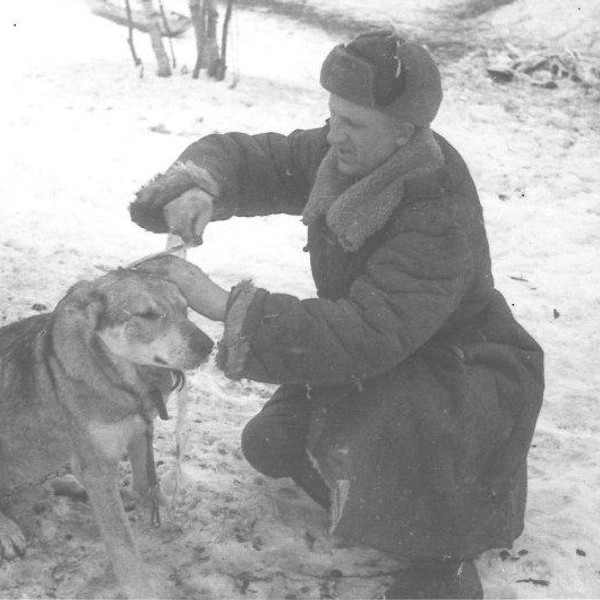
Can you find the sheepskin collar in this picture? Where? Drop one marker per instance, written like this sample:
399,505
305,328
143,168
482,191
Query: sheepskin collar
356,210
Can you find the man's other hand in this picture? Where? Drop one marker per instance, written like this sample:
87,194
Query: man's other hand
189,214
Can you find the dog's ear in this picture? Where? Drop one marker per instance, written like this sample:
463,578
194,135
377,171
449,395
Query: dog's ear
86,301
80,291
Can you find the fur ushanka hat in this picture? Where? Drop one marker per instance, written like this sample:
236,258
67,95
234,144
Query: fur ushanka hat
379,69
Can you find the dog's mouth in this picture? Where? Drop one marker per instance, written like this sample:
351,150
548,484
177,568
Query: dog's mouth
177,374
178,379
187,365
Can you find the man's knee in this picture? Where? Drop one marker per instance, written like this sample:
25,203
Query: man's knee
273,445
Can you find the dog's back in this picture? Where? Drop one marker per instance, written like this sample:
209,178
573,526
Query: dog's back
19,343
32,424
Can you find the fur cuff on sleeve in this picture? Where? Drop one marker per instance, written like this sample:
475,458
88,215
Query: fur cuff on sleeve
234,347
147,208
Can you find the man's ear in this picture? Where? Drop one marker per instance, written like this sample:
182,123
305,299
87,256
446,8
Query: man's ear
94,310
404,133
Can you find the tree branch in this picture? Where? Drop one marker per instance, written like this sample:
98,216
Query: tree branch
136,60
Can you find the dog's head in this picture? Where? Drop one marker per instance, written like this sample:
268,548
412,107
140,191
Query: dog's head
141,318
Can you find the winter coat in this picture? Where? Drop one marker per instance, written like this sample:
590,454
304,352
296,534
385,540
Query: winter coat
424,390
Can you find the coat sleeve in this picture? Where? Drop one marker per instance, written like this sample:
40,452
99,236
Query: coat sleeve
410,286
248,175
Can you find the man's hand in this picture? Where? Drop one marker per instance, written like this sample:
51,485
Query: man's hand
201,293
189,214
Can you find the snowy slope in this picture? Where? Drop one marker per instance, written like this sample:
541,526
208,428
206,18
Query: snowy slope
81,131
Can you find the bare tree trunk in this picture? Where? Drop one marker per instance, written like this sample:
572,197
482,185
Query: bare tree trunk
211,49
198,15
205,18
153,18
221,66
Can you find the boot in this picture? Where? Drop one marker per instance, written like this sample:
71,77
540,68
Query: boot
442,578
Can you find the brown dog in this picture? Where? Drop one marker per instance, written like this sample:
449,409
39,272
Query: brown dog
84,382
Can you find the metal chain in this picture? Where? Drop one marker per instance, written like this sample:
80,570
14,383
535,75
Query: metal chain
65,470
151,467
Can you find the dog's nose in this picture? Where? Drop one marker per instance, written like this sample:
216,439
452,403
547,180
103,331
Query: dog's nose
201,344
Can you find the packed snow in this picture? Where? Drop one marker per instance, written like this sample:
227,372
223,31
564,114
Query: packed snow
83,129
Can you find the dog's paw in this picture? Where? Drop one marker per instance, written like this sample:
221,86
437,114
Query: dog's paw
140,497
69,486
101,585
107,585
12,540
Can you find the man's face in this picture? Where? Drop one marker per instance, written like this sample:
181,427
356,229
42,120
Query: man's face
362,138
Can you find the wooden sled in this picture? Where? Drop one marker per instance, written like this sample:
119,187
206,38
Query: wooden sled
176,22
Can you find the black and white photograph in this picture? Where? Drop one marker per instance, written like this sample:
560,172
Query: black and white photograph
300,299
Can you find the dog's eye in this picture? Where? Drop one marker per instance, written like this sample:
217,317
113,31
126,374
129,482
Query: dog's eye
150,314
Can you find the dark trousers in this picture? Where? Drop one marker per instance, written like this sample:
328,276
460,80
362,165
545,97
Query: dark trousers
274,442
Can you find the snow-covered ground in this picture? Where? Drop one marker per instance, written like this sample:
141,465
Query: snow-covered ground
81,131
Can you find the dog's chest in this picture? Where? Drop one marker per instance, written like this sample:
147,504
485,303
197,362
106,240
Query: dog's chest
111,439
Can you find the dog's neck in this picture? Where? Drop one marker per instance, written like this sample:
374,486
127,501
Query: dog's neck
86,358
149,385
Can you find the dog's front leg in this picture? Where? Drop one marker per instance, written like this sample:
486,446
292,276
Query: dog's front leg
100,478
12,540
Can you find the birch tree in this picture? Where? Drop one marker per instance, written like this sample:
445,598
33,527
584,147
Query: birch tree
153,18
204,18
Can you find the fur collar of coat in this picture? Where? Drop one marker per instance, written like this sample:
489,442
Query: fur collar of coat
355,211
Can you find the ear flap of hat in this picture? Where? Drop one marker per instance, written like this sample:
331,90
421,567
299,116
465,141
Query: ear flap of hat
348,76
422,93
379,69
379,48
